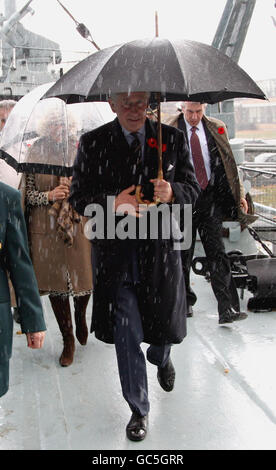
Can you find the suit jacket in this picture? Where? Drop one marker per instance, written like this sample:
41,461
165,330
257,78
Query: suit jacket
224,173
15,260
103,168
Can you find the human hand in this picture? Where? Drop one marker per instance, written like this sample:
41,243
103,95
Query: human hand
64,180
58,193
126,203
35,340
244,205
162,190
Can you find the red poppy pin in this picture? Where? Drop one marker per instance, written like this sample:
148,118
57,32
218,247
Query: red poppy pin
153,144
221,130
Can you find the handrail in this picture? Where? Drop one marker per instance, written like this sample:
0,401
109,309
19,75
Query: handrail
264,168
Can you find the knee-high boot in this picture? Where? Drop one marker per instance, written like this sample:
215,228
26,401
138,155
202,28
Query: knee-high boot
61,308
80,304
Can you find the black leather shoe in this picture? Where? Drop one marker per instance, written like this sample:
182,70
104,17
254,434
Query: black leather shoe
166,376
230,315
190,312
137,427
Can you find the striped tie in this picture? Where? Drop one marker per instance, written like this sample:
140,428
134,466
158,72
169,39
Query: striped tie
136,157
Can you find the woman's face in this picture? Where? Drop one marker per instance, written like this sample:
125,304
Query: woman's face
55,131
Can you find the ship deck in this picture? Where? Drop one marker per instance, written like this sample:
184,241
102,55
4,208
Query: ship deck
224,395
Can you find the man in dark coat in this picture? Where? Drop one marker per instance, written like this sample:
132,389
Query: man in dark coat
15,260
139,291
222,198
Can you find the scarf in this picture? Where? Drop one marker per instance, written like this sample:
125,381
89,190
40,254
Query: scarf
65,217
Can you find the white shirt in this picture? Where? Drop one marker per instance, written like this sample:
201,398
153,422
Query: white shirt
203,143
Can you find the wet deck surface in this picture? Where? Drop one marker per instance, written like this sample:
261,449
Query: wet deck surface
81,407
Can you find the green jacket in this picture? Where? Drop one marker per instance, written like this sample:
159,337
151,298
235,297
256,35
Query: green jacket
15,260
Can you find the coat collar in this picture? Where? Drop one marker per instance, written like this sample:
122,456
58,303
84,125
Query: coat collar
119,139
121,147
150,127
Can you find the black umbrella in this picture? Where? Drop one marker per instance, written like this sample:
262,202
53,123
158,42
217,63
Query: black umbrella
178,69
171,70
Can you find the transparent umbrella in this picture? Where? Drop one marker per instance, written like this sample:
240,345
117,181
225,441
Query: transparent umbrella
42,136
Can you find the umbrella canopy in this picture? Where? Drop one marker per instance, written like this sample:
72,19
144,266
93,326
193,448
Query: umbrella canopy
42,136
178,69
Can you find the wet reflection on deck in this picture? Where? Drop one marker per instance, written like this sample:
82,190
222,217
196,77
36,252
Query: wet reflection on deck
224,396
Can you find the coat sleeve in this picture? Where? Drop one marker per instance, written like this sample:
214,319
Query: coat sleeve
230,152
86,187
185,186
81,186
21,270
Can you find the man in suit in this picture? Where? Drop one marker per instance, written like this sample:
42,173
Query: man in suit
15,260
221,198
139,291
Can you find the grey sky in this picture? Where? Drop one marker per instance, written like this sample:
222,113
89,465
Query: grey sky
113,22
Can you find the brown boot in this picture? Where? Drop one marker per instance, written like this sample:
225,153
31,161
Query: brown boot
61,308
80,304
67,354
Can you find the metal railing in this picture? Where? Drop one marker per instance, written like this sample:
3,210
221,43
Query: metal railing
261,179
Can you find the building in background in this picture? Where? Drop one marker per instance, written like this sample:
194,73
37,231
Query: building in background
257,119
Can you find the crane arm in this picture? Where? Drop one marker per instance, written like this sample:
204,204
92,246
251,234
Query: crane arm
81,28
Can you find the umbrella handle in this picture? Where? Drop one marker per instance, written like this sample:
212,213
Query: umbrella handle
159,148
138,191
140,199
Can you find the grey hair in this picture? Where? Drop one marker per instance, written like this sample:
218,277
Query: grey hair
67,122
114,96
7,104
183,103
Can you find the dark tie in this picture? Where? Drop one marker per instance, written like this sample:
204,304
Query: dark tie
136,158
198,160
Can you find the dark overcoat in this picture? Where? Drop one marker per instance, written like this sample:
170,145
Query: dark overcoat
102,168
15,260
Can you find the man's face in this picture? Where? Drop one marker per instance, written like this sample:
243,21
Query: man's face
3,116
130,109
193,112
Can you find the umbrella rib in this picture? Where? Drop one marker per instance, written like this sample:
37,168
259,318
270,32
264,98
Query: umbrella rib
181,70
115,49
